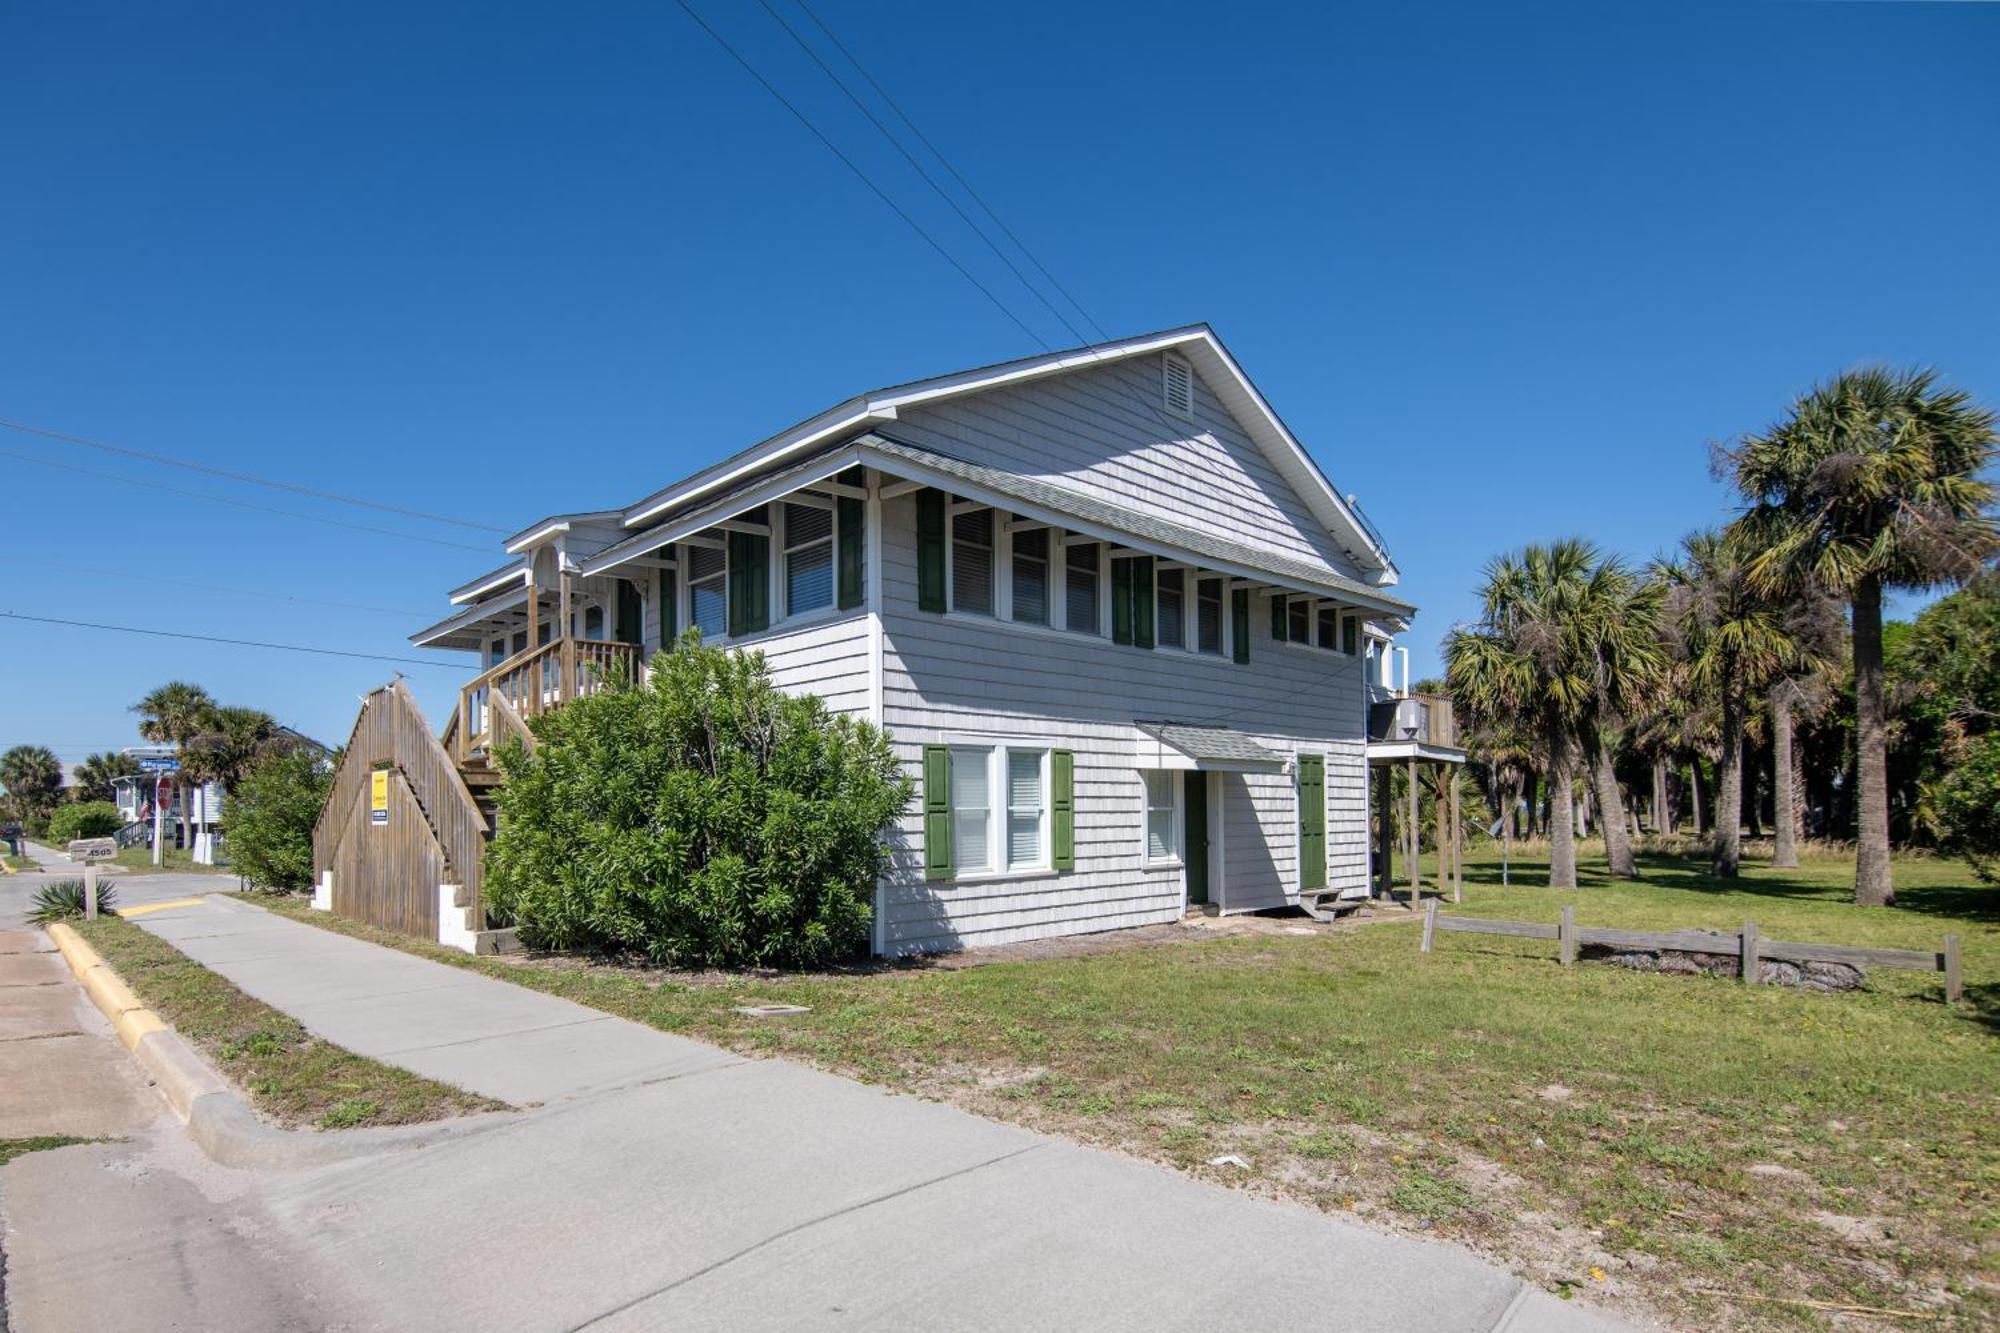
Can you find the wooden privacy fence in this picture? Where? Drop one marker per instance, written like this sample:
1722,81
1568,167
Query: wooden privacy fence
1747,945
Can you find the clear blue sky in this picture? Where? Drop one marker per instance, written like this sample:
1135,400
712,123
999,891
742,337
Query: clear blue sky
1506,272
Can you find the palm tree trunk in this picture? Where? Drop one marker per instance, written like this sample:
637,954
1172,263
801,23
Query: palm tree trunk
1694,789
1873,883
1728,843
1784,800
1533,783
1659,794
1611,816
1562,819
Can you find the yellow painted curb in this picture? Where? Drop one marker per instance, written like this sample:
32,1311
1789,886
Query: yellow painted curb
142,909
135,1025
130,1018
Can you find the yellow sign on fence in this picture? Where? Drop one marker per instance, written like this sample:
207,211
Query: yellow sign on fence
378,797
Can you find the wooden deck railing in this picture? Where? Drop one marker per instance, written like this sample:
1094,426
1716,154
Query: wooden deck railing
534,682
1429,716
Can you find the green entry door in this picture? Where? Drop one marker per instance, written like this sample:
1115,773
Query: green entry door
1194,836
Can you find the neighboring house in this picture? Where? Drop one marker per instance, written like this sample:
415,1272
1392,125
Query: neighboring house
193,815
1124,632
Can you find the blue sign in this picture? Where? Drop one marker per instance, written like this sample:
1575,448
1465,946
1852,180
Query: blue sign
161,765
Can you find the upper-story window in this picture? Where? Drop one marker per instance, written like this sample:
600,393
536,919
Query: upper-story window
1031,576
1208,615
593,623
708,590
1170,618
1080,587
972,561
1329,629
808,558
1298,620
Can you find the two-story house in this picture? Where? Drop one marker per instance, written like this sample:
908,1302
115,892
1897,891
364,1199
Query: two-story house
1122,629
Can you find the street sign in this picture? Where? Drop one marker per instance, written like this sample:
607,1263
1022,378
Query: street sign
92,849
160,764
378,797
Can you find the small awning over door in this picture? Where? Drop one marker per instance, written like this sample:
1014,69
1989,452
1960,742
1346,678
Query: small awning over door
1180,745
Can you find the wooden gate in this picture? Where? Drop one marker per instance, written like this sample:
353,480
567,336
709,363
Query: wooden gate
387,864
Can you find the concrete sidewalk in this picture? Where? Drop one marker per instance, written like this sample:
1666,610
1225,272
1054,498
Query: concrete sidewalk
665,1183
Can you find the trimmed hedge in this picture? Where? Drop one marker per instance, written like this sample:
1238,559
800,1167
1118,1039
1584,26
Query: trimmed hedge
84,819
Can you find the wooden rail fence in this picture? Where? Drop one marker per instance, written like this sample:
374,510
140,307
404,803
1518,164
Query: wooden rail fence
1749,947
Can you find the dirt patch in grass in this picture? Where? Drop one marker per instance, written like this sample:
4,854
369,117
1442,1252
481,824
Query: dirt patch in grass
1638,1141
291,1076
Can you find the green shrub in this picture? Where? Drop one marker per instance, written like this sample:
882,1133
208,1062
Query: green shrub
63,900
1968,806
701,819
84,819
268,822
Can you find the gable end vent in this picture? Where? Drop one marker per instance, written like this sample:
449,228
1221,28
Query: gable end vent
1177,385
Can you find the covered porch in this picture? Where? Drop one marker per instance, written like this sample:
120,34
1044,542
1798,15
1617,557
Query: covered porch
1418,734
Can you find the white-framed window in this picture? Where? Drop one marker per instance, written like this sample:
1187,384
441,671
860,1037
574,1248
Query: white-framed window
1027,808
593,622
1170,608
1298,620
1080,588
972,562
1163,814
999,808
1208,616
1177,385
1329,629
972,807
808,558
708,590
1031,576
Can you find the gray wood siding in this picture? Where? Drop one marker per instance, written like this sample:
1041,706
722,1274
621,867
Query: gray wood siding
1103,430
965,678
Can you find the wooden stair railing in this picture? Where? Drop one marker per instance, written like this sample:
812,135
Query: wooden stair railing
533,682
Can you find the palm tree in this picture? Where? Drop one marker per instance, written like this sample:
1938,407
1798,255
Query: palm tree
174,713
1626,656
91,779
233,741
1870,483
1814,624
1534,658
33,778
1735,643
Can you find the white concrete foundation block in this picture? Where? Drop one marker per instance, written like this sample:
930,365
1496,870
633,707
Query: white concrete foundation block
323,892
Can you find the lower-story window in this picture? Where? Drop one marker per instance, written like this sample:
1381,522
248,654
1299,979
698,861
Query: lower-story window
1163,825
998,812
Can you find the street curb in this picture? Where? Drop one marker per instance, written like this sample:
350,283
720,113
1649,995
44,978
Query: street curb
218,1120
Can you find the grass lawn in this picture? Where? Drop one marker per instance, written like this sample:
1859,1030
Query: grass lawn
291,1076
1652,1141
177,860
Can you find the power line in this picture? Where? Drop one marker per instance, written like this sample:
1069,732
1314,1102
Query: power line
239,643
165,461
151,578
965,184
240,504
865,179
918,167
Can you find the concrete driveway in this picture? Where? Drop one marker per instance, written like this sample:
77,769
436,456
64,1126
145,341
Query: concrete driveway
662,1183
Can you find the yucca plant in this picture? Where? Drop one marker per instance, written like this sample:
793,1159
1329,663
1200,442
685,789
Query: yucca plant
63,900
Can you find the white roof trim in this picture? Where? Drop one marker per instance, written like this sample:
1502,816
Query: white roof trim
472,615
1198,341
485,583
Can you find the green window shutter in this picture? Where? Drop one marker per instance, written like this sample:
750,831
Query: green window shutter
629,625
1312,821
1142,601
1350,634
848,513
937,812
749,582
930,549
1062,809
1121,601
669,593
1278,617
1239,623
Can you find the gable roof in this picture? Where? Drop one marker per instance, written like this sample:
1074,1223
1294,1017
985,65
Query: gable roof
1197,342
